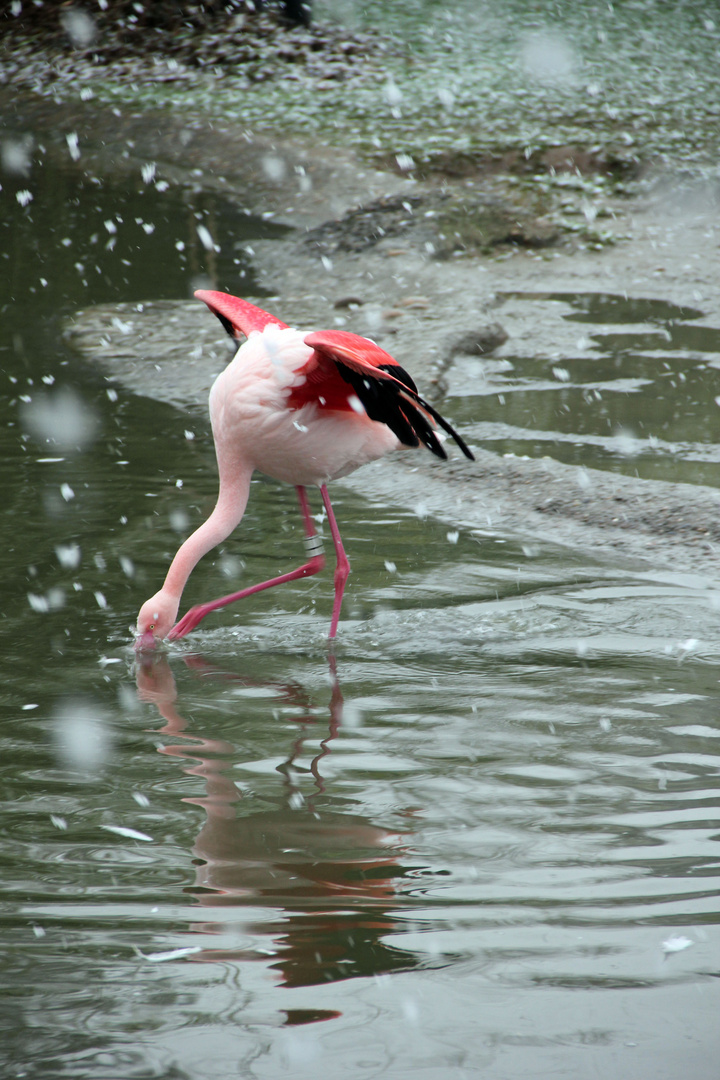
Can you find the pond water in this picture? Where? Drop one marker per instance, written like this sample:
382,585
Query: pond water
479,838
633,386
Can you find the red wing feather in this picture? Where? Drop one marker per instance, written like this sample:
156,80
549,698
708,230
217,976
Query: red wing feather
386,390
358,353
237,316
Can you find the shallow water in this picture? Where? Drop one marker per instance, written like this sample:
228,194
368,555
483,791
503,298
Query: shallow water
633,386
483,837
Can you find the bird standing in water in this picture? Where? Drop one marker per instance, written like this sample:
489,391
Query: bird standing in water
304,408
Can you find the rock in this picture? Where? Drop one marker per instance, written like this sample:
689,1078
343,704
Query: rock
479,342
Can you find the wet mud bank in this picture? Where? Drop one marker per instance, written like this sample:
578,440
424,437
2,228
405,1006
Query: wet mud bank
376,252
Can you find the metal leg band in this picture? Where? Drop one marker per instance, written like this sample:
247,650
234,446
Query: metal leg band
314,546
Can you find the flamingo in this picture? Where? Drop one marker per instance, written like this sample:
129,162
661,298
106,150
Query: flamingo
304,408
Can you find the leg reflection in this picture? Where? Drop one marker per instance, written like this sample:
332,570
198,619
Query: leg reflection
322,881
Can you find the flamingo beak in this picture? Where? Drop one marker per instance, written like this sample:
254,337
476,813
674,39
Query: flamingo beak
146,642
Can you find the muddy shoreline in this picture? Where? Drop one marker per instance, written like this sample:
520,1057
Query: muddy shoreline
419,306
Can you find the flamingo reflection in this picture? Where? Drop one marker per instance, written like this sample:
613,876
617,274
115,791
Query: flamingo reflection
324,878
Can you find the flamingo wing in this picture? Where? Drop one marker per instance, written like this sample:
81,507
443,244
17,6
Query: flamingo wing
387,392
237,316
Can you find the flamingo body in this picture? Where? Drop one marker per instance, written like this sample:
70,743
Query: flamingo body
272,409
304,409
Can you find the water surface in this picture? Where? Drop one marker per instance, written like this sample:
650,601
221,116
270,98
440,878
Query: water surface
633,386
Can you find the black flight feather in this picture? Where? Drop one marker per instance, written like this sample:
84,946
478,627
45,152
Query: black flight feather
400,374
446,427
380,400
396,402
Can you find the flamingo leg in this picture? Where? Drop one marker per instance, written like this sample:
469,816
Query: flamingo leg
342,568
315,563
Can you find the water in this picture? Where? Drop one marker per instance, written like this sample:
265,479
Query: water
481,837
633,388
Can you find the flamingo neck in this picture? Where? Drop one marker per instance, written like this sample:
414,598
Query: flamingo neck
229,509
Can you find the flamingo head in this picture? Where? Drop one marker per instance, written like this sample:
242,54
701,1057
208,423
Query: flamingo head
155,621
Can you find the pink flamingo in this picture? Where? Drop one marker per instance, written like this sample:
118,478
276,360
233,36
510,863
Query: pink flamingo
302,408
